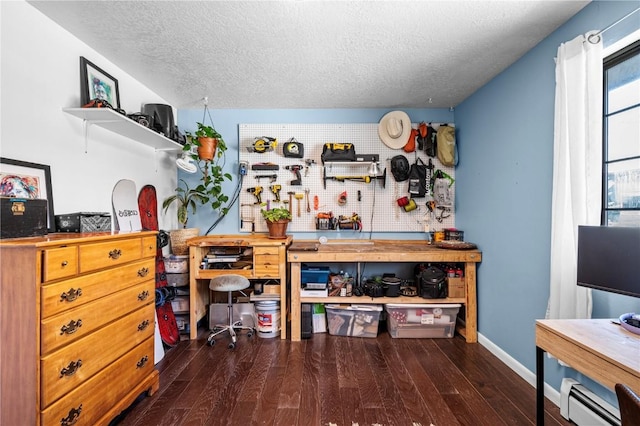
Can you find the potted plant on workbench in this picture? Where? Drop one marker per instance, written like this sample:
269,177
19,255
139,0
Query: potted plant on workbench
277,219
187,199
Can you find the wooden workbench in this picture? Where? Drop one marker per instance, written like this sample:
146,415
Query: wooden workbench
267,262
384,251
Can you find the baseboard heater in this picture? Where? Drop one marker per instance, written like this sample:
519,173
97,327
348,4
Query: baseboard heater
584,408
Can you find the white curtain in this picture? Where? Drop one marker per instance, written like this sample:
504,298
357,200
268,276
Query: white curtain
577,169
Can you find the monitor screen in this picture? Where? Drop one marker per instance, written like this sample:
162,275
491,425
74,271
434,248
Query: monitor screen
609,259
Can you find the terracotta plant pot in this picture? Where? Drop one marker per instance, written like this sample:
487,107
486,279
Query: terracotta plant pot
278,229
207,148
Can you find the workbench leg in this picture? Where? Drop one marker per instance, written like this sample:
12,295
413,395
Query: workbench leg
471,306
539,386
295,302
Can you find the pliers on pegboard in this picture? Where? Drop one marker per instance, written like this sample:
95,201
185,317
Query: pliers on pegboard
443,210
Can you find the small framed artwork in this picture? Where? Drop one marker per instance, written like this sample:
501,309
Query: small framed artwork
27,180
95,83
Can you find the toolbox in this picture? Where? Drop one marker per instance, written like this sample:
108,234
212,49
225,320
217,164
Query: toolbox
83,222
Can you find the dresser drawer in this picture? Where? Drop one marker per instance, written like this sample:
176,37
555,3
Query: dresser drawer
149,246
113,253
87,404
69,367
60,262
71,293
73,324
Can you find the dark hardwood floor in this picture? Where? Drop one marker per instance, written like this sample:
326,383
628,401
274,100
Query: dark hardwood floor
334,380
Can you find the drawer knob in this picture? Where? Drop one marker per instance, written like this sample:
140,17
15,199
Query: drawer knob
64,263
142,296
71,295
71,369
115,254
71,328
72,417
143,272
144,324
143,361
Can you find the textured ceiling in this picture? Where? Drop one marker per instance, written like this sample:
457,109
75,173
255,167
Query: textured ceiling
312,54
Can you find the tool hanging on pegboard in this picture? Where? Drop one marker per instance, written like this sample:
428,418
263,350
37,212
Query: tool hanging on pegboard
263,144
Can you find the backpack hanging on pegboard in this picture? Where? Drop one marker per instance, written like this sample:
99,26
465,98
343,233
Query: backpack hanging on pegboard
446,146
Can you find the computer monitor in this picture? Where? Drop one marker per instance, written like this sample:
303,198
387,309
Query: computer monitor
609,259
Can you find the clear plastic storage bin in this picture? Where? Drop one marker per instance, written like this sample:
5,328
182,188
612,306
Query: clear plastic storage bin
422,320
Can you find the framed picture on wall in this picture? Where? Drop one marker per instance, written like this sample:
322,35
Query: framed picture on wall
27,180
96,83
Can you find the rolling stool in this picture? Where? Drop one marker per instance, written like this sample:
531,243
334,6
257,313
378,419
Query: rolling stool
229,283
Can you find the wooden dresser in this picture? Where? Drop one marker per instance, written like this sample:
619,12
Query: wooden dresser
77,327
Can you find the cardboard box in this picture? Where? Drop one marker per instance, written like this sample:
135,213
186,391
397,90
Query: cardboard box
83,222
22,217
421,320
456,287
353,320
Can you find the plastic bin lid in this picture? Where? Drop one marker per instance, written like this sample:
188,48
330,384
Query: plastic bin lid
423,305
356,307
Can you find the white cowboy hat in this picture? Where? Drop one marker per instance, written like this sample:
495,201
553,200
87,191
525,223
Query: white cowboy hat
394,129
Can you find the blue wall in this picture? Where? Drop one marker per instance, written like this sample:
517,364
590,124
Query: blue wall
503,198
504,178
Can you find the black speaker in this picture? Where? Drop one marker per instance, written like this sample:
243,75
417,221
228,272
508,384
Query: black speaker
162,117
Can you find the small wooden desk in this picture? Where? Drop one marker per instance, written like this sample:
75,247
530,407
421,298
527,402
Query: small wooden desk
597,348
268,262
391,251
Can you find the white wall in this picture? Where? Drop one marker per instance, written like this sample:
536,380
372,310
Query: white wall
40,75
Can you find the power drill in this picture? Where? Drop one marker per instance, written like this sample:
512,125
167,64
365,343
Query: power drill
276,191
256,191
296,170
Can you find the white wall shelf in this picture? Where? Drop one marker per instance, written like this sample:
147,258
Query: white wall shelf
122,125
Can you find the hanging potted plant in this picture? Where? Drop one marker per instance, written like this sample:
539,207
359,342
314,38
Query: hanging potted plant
187,199
207,139
210,158
277,219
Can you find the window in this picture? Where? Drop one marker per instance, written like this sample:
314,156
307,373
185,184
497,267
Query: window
621,138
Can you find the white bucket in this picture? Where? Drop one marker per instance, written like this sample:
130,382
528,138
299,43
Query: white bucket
268,313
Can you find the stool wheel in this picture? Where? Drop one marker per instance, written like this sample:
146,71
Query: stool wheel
211,341
231,345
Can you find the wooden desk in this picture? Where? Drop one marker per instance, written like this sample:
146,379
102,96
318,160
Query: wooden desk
597,348
268,262
392,251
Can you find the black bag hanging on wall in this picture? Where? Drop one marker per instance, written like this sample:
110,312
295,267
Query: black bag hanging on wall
431,142
418,179
432,283
332,151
